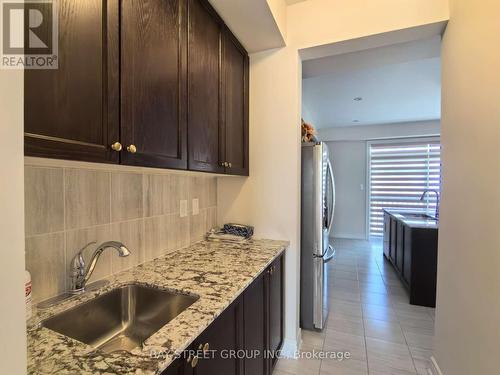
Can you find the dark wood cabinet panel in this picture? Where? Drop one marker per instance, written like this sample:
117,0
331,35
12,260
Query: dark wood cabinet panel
204,88
393,239
221,336
235,106
179,367
252,324
387,237
275,309
153,73
399,245
255,325
406,270
72,112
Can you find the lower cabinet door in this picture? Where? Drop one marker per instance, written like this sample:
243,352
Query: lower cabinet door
275,309
177,368
407,256
254,318
400,247
215,344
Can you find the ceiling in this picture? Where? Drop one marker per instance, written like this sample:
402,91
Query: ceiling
397,83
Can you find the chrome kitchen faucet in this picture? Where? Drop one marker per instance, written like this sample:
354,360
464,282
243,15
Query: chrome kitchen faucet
80,274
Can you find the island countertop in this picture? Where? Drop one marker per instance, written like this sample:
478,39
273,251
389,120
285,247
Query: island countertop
418,219
217,272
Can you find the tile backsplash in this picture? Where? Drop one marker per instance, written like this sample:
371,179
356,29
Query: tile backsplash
68,206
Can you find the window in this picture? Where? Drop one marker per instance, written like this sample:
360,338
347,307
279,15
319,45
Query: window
399,171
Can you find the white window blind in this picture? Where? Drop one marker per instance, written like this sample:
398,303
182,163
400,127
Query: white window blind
398,174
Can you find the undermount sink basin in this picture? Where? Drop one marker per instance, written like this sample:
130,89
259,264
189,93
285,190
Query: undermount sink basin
120,319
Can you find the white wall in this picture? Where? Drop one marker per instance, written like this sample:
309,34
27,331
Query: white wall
270,197
371,132
468,295
349,169
12,311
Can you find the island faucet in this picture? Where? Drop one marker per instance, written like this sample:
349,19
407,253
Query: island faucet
80,275
426,191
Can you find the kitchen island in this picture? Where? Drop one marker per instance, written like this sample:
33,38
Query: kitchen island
411,245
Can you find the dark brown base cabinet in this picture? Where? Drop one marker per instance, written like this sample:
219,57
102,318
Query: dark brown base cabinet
252,324
153,83
413,253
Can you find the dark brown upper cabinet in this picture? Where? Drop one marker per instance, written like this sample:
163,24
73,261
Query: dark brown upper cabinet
73,112
155,83
153,93
204,88
235,68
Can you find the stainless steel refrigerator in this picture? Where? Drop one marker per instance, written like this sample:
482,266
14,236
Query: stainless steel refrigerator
317,209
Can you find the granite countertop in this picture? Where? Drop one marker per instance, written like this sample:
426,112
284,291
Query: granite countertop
419,219
216,272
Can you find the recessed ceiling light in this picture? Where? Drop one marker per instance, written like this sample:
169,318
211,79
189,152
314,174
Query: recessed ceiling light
355,120
358,98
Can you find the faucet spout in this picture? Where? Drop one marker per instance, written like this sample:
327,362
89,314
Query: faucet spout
80,275
426,191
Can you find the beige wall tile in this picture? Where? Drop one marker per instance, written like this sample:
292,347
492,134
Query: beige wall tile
131,234
157,191
212,191
179,232
198,226
44,200
87,195
77,239
157,231
126,196
198,188
46,261
179,189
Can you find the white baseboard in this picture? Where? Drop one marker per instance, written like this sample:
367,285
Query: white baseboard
291,346
435,367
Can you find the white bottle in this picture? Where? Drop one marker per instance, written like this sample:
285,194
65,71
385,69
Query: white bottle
27,294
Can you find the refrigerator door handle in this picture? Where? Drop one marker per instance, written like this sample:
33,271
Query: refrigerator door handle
329,254
332,181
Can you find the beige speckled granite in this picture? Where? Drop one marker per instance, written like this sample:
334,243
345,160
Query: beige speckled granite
216,272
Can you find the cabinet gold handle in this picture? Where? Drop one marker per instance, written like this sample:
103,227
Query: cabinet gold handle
206,347
194,361
117,146
132,149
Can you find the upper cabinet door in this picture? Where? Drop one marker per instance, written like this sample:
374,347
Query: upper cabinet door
204,88
72,112
235,106
153,76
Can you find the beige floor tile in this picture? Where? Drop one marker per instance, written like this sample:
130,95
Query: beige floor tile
311,339
421,359
344,342
345,296
346,310
300,366
388,357
344,326
379,313
388,331
419,340
379,299
343,367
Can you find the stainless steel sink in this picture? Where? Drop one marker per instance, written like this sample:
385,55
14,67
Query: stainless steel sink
120,319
